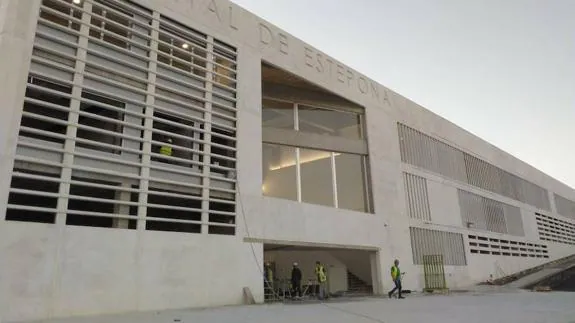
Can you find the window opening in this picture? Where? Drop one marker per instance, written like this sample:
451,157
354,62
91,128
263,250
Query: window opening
166,145
155,210
216,152
38,196
45,109
117,24
69,10
99,117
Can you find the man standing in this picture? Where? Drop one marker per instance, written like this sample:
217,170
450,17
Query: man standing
321,279
296,280
396,277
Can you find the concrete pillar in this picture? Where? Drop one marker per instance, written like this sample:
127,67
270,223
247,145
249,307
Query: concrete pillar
17,27
122,209
376,274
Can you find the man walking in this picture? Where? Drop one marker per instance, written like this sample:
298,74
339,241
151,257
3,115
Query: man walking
396,277
321,279
296,280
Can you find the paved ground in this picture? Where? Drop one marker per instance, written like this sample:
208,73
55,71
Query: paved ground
471,307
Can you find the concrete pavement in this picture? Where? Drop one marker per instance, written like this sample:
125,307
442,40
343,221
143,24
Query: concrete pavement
471,307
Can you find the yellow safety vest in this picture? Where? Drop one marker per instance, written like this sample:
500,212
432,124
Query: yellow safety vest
166,150
320,272
269,274
394,272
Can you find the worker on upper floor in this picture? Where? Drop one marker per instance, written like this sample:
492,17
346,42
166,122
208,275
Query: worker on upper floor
166,149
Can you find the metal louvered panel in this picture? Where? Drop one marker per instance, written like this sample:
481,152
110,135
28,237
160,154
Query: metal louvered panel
486,214
416,197
129,121
472,214
496,180
565,207
421,150
495,217
451,161
435,242
514,220
429,153
483,174
553,229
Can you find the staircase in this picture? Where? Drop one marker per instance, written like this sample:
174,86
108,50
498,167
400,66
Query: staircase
357,286
559,263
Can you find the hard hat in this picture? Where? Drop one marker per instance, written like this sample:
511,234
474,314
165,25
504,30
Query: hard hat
170,140
295,263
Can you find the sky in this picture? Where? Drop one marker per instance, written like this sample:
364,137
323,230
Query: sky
501,69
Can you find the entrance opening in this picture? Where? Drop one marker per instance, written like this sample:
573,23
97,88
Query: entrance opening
348,272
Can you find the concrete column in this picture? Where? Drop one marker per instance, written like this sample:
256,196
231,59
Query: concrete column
17,27
207,138
148,124
376,274
249,141
73,118
122,209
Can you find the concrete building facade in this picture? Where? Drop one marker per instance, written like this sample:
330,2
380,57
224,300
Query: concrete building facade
155,153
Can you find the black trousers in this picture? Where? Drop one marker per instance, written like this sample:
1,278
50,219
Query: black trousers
296,285
397,287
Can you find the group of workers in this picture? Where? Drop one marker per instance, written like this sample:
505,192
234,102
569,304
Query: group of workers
296,280
321,276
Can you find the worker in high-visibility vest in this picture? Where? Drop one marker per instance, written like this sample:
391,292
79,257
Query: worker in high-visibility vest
166,150
396,277
321,279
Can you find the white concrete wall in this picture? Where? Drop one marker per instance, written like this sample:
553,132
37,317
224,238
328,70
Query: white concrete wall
49,270
85,271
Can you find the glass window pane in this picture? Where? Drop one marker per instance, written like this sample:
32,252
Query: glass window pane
279,172
277,114
350,175
329,122
316,177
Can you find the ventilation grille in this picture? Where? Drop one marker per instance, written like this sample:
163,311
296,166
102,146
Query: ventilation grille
482,245
416,197
429,153
553,229
486,214
421,150
565,207
488,177
435,242
129,122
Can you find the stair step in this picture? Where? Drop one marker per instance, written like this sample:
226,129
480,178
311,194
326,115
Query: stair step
357,285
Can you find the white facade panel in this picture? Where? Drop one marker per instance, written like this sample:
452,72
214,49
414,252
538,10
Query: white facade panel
200,63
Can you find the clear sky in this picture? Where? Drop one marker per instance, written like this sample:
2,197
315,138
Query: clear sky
502,69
